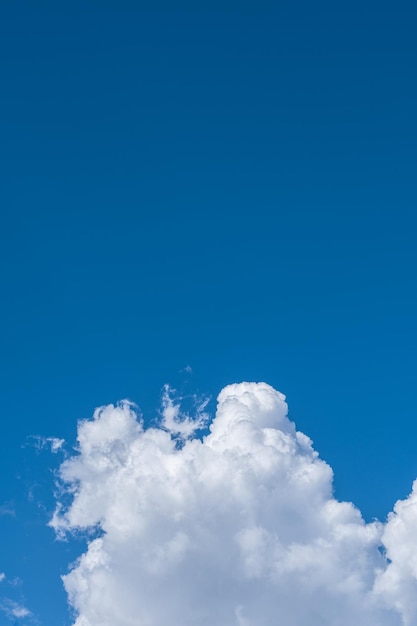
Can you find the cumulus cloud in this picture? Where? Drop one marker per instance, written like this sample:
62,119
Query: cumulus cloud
236,528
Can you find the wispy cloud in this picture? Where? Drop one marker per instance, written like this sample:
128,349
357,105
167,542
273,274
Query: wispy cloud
178,423
8,508
14,609
54,444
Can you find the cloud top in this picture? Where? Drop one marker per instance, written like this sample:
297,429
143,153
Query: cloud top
238,528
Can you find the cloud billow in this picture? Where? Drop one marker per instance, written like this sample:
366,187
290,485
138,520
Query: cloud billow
238,528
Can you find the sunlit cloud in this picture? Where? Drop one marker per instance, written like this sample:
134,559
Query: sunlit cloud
236,528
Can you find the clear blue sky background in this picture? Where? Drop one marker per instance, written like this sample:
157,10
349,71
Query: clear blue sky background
225,185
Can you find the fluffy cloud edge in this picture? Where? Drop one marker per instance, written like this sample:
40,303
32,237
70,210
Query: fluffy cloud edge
245,515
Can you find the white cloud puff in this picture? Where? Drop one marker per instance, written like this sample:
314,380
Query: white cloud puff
239,528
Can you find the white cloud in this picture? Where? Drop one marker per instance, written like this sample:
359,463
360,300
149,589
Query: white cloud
238,529
2,576
176,422
15,610
56,444
41,443
19,611
397,584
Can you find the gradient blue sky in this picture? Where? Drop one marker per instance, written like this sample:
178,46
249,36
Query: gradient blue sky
225,185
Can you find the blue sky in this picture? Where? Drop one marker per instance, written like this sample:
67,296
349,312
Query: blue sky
226,186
